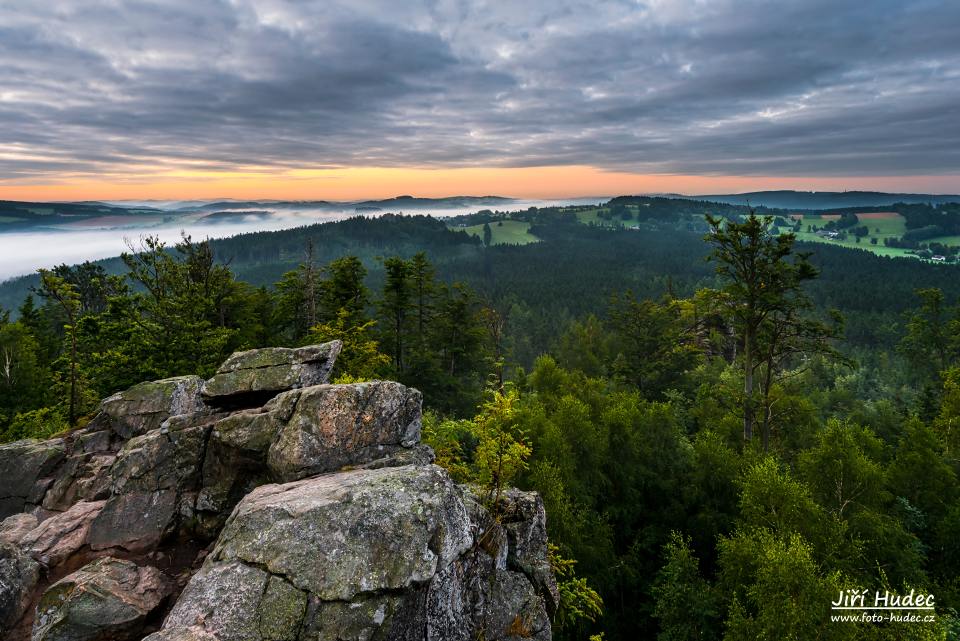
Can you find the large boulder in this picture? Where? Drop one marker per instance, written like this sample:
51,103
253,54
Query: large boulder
252,377
344,534
337,425
106,600
144,407
387,553
286,508
304,432
25,467
135,521
336,556
60,537
19,575
235,601
15,527
524,518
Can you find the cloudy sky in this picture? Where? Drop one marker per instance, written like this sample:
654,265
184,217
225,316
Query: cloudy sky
302,99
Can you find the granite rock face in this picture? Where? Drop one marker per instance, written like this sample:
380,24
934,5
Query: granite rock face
392,553
336,425
26,468
259,373
108,599
144,407
264,503
19,575
339,535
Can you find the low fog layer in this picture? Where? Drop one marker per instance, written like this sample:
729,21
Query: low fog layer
25,252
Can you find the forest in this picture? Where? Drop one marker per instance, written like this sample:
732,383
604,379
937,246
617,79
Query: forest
728,427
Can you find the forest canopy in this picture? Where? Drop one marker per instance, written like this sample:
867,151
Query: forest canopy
728,427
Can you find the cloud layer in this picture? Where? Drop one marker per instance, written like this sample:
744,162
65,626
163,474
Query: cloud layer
786,87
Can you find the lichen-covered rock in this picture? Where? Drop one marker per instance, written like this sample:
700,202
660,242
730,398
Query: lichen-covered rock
81,477
305,432
145,406
525,521
193,633
136,521
14,527
388,553
24,466
339,556
337,425
359,531
19,575
376,616
160,460
59,537
480,593
416,455
106,600
260,373
515,609
362,538
237,602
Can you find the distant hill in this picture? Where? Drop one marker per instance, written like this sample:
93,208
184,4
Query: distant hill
36,216
17,216
787,199
399,203
410,202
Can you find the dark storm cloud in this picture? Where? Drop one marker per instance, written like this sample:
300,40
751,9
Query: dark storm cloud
777,88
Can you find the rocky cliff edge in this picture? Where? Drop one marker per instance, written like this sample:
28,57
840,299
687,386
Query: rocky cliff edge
263,504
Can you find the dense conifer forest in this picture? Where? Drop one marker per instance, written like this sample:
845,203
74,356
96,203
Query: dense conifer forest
728,427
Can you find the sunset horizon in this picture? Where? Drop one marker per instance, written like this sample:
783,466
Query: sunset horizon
535,183
271,99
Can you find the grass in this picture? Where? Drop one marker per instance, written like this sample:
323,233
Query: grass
945,240
511,232
589,216
880,228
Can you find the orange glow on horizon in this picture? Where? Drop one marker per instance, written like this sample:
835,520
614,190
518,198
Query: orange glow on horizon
354,183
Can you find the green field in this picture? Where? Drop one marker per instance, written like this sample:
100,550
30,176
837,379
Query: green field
880,228
506,232
945,240
588,216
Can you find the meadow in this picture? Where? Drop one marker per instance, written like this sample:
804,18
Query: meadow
504,232
881,225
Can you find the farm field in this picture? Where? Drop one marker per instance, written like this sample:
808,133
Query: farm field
509,232
881,225
591,216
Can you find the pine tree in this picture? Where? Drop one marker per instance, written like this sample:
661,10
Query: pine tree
395,308
762,293
65,296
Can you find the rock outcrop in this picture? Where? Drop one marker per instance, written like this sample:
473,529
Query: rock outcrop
262,504
108,599
259,374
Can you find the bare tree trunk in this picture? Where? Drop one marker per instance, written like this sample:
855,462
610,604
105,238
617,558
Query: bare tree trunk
73,374
767,382
398,340
748,386
310,286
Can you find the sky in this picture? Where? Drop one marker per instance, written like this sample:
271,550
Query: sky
123,99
